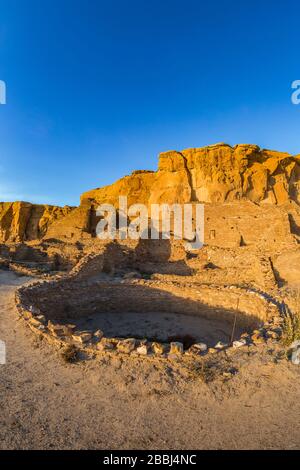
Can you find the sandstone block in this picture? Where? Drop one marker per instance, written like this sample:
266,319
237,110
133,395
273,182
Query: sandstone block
198,348
83,337
126,345
239,343
142,350
98,334
106,345
221,345
176,348
158,348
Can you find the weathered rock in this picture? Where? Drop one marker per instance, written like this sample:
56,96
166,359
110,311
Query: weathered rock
142,350
158,348
239,343
212,350
83,337
106,344
176,348
41,318
215,174
296,356
126,345
70,327
257,338
98,334
20,221
56,330
221,345
198,348
218,174
35,322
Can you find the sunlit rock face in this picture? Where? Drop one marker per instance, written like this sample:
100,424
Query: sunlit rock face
21,221
220,173
215,175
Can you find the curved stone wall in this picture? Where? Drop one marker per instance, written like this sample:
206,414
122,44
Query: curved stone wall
48,306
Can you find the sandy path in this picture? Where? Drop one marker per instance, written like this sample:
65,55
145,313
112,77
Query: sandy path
121,404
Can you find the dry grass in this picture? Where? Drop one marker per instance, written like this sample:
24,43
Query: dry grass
70,353
291,324
209,369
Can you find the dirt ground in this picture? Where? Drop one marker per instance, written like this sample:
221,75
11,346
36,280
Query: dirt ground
249,401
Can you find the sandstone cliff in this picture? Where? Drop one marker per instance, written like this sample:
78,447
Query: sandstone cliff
215,174
219,174
22,221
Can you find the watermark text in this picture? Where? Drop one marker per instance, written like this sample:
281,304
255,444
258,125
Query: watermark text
296,93
2,92
159,221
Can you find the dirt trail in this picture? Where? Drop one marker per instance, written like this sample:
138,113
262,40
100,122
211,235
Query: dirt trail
124,404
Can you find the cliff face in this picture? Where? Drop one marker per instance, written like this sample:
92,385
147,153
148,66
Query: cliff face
137,187
22,221
214,174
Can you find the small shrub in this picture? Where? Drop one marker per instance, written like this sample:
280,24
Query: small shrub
212,369
70,353
291,322
291,329
207,372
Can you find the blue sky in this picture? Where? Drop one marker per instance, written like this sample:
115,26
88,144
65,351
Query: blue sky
96,89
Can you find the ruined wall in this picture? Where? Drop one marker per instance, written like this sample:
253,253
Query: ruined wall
69,299
232,225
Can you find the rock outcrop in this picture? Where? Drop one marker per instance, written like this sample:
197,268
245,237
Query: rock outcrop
215,174
256,179
22,221
137,187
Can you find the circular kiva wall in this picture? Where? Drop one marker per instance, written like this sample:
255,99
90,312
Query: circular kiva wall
94,314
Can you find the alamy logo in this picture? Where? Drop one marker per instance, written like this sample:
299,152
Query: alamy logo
182,221
2,353
296,93
2,92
